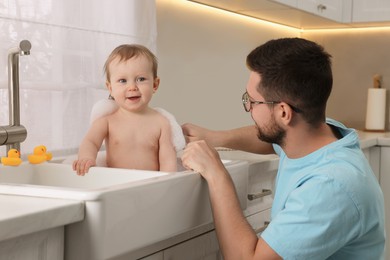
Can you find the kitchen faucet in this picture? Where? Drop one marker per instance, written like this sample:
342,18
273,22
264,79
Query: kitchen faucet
14,133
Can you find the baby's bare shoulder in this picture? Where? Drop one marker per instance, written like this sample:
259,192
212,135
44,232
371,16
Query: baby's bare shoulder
161,119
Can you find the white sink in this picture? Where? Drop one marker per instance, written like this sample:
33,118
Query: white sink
125,210
60,181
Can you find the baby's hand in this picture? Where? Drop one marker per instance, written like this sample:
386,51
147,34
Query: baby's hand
81,166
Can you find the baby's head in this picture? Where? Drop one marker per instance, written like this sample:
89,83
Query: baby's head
127,51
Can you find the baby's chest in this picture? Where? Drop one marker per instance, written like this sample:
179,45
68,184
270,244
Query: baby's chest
142,135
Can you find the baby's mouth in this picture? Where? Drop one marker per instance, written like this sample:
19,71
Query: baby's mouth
134,98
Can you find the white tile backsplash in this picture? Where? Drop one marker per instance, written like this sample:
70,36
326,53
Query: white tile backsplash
63,76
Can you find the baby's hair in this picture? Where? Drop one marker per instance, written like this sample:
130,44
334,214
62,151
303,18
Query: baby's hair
128,51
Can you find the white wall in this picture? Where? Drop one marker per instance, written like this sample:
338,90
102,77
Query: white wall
63,76
358,55
201,53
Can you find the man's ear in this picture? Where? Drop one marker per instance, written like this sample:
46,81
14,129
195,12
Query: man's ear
285,113
156,84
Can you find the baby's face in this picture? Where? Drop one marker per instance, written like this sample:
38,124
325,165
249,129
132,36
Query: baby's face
132,83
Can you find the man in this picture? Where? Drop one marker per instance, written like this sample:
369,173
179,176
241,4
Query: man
327,204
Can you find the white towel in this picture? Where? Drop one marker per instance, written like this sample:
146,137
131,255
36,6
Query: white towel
102,108
178,139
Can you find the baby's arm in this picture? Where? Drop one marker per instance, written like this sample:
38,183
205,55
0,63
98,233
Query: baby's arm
167,152
90,146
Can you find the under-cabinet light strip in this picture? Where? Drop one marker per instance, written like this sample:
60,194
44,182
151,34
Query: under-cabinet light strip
252,18
287,26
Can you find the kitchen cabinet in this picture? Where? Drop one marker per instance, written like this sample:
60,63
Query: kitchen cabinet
311,14
259,221
156,256
308,14
370,11
261,186
206,246
335,10
261,183
201,247
292,3
261,190
373,154
48,244
385,184
34,227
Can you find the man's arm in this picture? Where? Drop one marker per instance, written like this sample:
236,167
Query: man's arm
243,138
236,237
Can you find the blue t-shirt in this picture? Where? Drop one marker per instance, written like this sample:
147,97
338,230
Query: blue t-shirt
328,204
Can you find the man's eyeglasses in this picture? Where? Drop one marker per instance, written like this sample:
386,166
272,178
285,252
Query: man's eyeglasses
248,104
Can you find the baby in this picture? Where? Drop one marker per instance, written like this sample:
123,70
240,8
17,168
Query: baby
136,136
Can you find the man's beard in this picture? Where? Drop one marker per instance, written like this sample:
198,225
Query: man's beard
272,133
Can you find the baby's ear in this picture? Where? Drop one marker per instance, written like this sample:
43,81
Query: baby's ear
156,83
108,85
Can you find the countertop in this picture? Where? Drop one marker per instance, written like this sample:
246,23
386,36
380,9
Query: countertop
20,215
368,139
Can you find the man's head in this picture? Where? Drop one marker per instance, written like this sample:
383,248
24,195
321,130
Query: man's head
295,71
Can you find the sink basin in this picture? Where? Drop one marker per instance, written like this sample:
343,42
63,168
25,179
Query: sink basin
126,211
60,181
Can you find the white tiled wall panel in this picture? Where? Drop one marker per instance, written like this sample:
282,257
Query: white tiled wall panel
63,76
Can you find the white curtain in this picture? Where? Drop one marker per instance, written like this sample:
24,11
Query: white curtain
63,76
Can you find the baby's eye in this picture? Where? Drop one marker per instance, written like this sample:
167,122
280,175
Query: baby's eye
122,81
140,79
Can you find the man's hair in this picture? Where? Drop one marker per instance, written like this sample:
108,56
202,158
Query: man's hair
128,51
295,71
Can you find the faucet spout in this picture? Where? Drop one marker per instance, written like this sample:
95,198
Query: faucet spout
13,134
13,80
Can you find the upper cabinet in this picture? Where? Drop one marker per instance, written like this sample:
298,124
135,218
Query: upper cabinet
311,14
307,14
371,11
287,2
336,10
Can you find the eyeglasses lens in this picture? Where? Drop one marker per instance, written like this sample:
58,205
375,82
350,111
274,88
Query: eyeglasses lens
246,102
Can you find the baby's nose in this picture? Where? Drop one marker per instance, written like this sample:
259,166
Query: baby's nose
133,87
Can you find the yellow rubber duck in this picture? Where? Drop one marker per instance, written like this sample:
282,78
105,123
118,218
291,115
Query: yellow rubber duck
13,158
39,155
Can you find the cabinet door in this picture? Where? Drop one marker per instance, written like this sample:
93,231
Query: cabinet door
385,185
261,186
370,11
337,10
156,256
292,3
259,221
373,156
204,247
47,244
